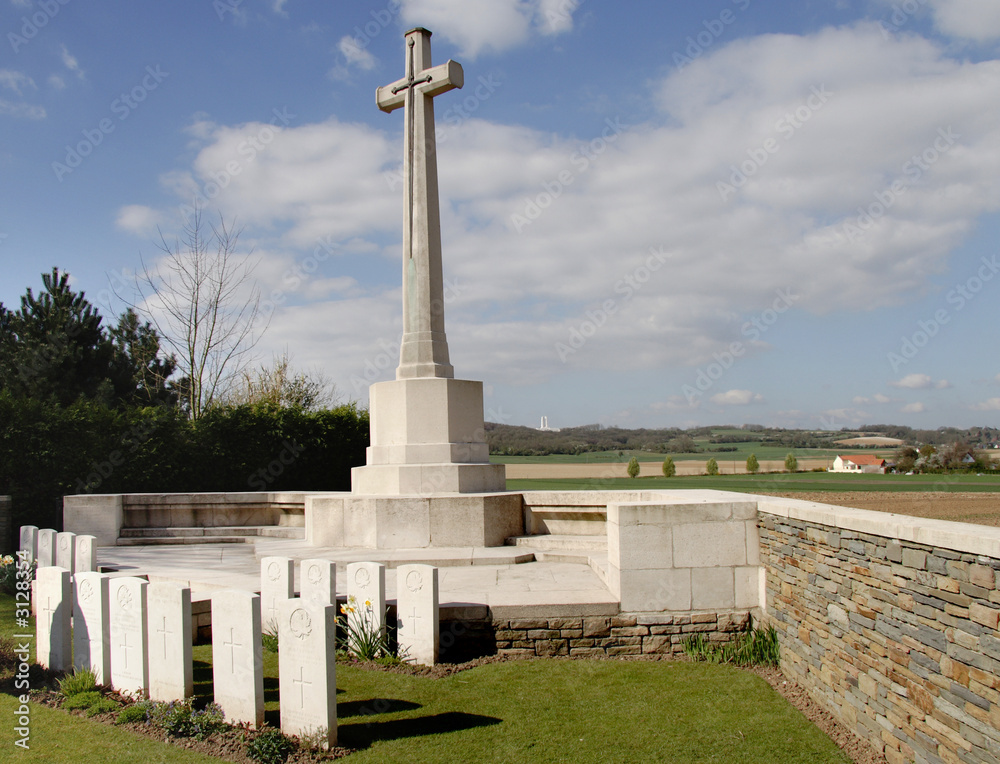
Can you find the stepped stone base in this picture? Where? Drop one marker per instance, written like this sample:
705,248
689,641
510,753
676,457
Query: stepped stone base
413,522
427,437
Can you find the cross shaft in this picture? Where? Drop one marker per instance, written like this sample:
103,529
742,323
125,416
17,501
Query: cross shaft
424,349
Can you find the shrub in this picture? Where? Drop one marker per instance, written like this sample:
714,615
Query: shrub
712,466
791,463
80,681
270,747
669,468
633,467
753,466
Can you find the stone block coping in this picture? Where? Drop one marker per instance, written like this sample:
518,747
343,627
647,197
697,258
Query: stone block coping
960,537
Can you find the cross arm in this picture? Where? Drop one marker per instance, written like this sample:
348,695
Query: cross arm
442,78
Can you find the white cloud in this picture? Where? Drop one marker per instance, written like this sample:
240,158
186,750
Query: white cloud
879,398
355,54
56,81
278,6
139,219
582,265
920,382
70,62
22,110
478,26
977,20
16,81
913,408
992,404
737,398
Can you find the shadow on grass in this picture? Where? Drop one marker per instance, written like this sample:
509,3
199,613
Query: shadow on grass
204,689
374,706
361,735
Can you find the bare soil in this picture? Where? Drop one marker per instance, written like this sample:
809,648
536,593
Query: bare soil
979,508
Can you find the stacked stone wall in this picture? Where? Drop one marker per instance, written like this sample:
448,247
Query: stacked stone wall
897,638
623,634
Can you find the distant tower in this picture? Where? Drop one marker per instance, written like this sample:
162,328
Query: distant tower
545,423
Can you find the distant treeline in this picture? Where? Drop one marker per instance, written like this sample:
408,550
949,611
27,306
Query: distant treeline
513,440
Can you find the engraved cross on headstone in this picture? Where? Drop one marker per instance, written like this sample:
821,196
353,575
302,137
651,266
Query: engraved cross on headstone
232,644
424,350
301,682
164,632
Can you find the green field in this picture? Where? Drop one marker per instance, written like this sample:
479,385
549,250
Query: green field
523,711
763,452
773,483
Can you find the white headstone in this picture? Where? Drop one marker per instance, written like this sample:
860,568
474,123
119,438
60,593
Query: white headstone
129,647
366,584
53,640
417,613
307,673
29,540
171,671
46,547
318,581
86,554
66,551
238,656
91,625
276,585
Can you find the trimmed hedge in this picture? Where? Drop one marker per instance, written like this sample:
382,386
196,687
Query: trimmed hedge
47,452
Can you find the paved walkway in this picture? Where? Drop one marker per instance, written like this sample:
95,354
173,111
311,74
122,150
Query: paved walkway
471,579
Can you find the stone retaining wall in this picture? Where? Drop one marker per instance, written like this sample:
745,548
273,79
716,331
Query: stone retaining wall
624,634
894,635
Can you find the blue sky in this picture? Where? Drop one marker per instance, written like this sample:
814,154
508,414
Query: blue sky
654,214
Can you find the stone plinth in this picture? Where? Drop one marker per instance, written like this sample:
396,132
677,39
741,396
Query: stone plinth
427,437
413,522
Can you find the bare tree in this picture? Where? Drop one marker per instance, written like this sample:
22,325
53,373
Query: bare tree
204,303
279,385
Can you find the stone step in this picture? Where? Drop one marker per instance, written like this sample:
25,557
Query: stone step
560,542
182,540
208,535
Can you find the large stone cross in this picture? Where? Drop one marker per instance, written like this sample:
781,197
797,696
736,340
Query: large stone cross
424,350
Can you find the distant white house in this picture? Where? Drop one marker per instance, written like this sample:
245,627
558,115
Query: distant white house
858,463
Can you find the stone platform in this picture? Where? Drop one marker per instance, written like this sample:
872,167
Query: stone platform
475,582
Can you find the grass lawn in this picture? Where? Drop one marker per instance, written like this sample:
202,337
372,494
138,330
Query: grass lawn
771,483
525,711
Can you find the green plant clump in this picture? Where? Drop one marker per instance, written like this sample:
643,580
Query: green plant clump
269,638
669,468
270,747
712,466
80,681
136,713
754,647
179,719
92,701
361,635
